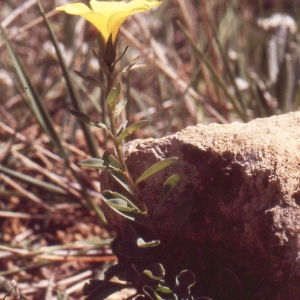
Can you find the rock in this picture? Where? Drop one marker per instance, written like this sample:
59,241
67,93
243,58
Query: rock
244,184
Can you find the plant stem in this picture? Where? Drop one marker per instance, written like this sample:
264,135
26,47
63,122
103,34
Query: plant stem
118,147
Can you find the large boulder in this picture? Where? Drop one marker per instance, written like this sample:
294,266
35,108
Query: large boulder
244,184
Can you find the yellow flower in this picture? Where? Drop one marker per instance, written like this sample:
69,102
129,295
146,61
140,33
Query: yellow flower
108,17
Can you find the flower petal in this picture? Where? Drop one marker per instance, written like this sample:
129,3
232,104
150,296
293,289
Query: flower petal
108,17
107,8
105,11
136,6
74,9
119,17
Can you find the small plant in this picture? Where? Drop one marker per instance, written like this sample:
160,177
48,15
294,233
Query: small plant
137,265
140,260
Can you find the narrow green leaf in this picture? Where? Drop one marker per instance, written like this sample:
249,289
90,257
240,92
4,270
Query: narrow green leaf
119,202
156,168
112,98
120,57
109,195
86,119
95,163
128,67
136,216
120,205
120,106
98,163
80,115
111,159
131,129
103,66
120,177
101,125
169,186
91,79
122,127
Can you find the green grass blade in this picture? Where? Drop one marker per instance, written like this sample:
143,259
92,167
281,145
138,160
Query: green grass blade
31,180
74,95
216,76
229,71
35,101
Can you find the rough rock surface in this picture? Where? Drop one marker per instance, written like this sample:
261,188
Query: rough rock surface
244,181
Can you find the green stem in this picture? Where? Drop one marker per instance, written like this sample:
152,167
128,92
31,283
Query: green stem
118,147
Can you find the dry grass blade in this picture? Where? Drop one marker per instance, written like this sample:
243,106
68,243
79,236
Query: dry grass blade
61,181
25,193
172,75
27,141
220,81
230,72
13,16
8,214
